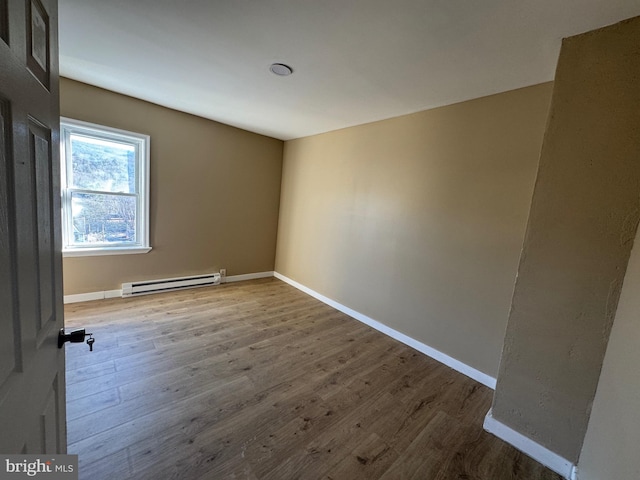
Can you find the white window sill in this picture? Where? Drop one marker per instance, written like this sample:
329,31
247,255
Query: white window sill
94,252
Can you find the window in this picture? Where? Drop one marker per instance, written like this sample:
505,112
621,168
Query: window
105,190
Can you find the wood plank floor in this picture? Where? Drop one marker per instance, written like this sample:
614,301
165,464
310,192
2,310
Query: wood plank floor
256,380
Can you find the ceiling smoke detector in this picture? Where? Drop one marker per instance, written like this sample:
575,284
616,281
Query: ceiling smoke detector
281,69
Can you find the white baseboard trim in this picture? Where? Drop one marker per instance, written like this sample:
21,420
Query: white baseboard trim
574,473
247,276
457,365
541,454
87,297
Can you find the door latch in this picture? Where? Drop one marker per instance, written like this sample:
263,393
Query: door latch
76,336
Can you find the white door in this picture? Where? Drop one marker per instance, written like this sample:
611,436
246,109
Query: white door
32,384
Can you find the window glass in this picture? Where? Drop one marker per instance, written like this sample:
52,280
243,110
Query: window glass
102,165
101,218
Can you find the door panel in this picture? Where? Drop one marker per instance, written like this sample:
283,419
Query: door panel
4,26
44,436
38,41
49,423
32,402
40,159
9,341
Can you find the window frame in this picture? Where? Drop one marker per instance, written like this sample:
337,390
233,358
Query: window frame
141,142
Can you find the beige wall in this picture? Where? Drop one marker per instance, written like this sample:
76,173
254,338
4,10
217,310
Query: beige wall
214,193
583,220
611,445
418,221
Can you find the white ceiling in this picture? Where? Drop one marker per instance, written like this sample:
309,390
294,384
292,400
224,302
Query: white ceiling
354,61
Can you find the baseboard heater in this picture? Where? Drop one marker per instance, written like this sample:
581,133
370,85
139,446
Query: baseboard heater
147,287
